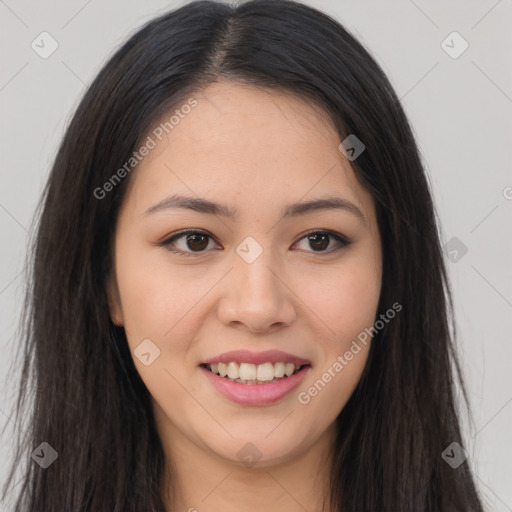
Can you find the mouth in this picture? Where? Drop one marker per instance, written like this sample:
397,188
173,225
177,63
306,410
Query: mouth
255,374
269,387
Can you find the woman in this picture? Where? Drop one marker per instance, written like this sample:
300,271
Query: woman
238,291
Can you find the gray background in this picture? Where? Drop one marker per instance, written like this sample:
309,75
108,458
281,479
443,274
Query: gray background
461,112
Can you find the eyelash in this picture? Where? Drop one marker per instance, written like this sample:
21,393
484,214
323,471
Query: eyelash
343,242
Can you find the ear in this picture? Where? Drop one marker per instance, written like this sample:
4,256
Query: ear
114,301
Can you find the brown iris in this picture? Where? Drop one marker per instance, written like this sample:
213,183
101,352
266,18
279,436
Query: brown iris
201,240
324,240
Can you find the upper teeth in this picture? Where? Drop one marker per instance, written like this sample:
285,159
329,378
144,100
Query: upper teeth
248,371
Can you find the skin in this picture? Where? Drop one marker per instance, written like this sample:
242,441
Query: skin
255,150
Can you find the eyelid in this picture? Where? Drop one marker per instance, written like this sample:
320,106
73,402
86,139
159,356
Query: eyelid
168,241
342,240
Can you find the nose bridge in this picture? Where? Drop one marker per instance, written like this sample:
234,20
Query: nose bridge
253,266
256,295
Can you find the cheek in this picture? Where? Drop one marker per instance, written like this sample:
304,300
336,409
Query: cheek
155,302
345,299
154,295
348,305
144,297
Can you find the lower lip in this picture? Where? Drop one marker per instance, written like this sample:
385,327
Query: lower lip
256,394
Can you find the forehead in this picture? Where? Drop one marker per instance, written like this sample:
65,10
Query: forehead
249,144
257,120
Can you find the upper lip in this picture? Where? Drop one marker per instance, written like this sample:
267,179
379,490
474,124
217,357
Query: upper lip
246,356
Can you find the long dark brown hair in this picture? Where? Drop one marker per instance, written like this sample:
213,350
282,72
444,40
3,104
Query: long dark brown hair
78,380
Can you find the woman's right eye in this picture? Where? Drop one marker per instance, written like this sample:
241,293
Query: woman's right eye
196,241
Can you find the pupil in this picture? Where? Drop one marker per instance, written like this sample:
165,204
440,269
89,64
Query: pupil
193,239
324,242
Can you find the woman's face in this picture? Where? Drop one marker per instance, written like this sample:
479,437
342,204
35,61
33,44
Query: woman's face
249,278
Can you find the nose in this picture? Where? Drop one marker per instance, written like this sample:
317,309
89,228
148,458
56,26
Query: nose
257,297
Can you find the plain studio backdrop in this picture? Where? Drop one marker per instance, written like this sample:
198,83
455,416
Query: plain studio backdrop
450,64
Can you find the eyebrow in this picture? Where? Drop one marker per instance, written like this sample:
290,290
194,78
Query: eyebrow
208,207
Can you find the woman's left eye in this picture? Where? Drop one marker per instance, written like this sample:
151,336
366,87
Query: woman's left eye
197,242
321,240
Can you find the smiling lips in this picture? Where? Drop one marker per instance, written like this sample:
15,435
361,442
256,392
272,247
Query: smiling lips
255,368
252,378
